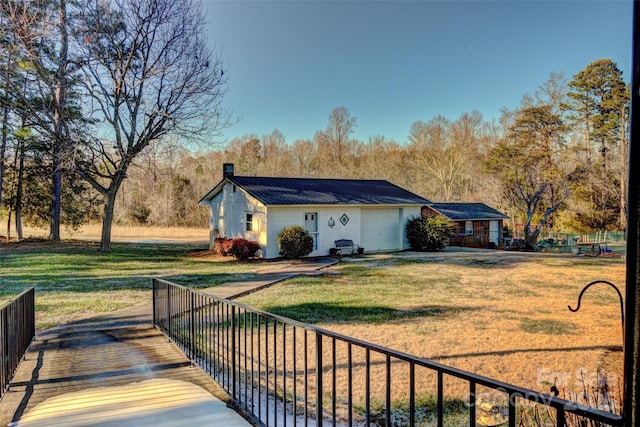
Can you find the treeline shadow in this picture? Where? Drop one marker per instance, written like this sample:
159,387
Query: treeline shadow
336,313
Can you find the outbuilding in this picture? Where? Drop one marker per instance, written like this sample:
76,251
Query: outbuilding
475,224
370,213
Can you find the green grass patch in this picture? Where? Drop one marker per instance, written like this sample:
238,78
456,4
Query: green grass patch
455,412
68,276
81,268
547,326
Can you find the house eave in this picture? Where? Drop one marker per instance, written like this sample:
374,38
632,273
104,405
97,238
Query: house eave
215,190
486,218
478,219
335,205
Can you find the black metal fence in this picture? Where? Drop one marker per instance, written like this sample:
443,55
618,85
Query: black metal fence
17,329
286,373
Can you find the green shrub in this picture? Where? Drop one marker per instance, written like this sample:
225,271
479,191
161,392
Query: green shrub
428,234
294,242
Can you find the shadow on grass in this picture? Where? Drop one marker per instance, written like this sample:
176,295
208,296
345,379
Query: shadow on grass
335,313
200,281
480,259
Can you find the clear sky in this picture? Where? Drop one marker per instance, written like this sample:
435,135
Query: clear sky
391,63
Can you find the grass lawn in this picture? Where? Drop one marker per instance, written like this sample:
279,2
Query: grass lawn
499,314
73,280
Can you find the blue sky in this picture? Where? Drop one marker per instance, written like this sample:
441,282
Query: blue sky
391,63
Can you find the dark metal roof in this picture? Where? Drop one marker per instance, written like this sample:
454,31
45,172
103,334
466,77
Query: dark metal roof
468,211
313,191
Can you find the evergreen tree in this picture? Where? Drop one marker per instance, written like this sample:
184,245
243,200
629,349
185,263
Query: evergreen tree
598,106
529,164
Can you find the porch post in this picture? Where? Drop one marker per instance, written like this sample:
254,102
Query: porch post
632,325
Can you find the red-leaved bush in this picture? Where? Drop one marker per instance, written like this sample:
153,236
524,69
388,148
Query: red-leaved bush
241,249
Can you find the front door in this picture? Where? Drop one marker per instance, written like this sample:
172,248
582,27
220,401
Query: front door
311,225
494,231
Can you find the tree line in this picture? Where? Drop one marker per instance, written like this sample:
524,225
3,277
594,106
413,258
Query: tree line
558,161
102,104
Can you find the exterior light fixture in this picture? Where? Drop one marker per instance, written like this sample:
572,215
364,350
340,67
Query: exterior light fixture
331,222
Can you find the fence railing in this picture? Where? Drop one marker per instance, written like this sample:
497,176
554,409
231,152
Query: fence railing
17,329
286,373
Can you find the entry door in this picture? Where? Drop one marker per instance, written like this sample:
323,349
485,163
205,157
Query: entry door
494,231
311,225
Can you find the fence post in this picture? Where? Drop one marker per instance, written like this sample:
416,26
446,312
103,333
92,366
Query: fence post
32,313
5,350
154,284
319,379
169,311
192,325
233,352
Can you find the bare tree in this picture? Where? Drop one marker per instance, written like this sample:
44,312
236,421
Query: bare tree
341,125
149,74
275,154
303,153
441,151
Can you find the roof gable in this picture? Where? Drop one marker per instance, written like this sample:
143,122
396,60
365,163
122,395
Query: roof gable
468,211
317,191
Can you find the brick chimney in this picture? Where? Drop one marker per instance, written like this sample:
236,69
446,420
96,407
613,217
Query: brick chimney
227,170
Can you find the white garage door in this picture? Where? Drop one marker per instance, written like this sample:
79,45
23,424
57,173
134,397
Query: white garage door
380,229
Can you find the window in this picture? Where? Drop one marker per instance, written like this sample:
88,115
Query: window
249,222
468,228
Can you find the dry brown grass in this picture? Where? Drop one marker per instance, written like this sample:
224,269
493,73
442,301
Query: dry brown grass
515,325
122,233
506,316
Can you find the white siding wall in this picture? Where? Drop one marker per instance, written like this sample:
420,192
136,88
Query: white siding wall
280,217
229,210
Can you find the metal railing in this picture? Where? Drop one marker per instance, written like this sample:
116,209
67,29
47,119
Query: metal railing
286,373
17,329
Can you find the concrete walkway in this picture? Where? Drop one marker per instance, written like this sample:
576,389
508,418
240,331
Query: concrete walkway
269,275
118,370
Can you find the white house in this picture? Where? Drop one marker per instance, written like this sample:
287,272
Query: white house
371,213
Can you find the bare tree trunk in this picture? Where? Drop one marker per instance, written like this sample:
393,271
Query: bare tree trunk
60,95
54,233
107,220
587,137
13,189
20,185
9,224
3,146
5,130
624,158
